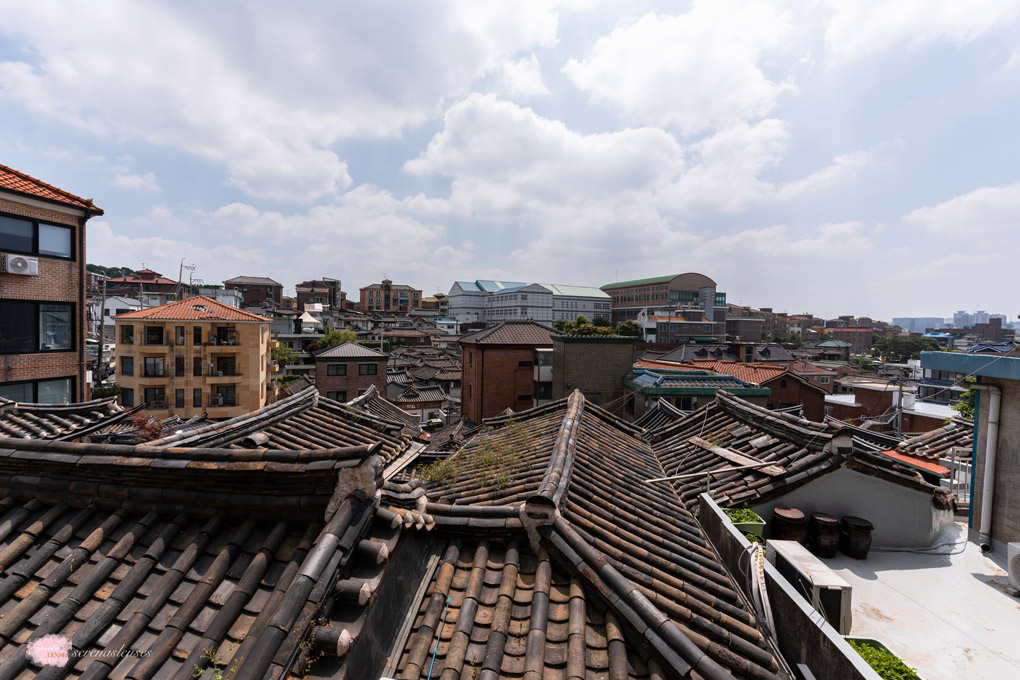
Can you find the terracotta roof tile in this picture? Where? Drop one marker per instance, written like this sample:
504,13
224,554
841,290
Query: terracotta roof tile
14,180
198,308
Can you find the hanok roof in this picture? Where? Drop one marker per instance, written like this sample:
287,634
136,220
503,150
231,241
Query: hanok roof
561,561
18,182
349,350
683,380
62,422
421,393
661,414
372,402
801,450
958,434
252,281
512,333
198,308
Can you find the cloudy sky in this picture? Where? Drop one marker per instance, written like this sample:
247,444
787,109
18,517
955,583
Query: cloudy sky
829,157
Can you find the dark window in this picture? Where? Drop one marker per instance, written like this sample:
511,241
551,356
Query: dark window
179,367
35,238
226,365
155,397
336,369
196,366
28,327
196,397
337,396
196,335
179,399
782,383
367,369
523,364
523,397
127,397
127,365
543,390
58,391
153,368
226,395
127,334
179,335
153,335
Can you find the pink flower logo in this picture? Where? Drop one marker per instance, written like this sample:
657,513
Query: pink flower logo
49,650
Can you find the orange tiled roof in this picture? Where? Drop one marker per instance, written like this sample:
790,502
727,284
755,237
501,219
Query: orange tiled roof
198,308
748,372
916,461
13,180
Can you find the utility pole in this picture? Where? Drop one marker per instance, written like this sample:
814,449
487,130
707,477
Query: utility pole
899,410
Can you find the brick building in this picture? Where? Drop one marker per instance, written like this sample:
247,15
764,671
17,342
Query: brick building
256,291
346,371
194,356
323,291
664,292
858,337
389,297
506,366
596,365
142,281
42,290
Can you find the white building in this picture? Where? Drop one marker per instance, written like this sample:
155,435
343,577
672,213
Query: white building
227,296
494,301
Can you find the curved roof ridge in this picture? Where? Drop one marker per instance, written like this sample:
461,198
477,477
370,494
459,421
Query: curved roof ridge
557,475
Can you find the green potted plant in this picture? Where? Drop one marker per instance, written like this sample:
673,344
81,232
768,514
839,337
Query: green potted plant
745,520
882,660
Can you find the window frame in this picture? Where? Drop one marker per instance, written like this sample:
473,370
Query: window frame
338,370
35,386
368,369
34,251
37,332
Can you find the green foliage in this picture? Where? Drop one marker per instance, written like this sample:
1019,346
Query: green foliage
216,670
111,390
109,271
629,328
590,329
289,379
898,349
581,320
491,463
601,321
862,363
885,663
283,355
965,407
561,325
742,516
334,337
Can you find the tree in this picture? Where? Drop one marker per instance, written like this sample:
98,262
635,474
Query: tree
109,271
581,320
590,329
898,349
283,355
601,321
629,328
564,326
334,337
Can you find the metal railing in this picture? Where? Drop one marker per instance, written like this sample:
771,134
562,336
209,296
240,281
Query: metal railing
958,482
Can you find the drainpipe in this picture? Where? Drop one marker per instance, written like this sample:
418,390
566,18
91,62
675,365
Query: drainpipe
991,449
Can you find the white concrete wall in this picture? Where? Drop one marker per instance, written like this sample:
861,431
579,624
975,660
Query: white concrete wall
902,517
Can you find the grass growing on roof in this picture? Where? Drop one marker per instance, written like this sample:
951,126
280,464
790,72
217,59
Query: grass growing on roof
491,461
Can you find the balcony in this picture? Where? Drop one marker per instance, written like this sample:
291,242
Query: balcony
222,378
273,365
156,405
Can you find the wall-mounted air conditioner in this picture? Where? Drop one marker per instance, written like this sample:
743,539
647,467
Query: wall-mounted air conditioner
19,264
823,588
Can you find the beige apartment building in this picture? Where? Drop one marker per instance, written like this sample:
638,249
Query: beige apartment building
194,356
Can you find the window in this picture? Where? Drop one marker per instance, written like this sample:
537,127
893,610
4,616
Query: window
127,334
153,368
367,369
825,380
179,335
196,397
155,397
28,327
226,395
179,367
523,364
336,369
196,335
127,397
196,366
179,399
127,365
153,335
523,397
226,365
337,396
35,238
782,383
58,391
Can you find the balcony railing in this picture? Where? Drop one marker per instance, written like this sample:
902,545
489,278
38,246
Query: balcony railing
156,405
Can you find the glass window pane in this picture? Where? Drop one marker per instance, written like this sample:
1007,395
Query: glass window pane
18,328
18,392
127,397
54,240
55,327
55,391
15,234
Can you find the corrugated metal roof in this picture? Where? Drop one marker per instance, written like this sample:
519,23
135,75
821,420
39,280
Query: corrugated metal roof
640,282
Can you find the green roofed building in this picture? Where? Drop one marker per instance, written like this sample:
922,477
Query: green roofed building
664,292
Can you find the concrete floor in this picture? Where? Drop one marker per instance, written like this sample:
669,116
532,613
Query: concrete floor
948,616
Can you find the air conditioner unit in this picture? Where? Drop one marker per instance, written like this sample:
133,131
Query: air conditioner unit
1013,564
19,264
823,588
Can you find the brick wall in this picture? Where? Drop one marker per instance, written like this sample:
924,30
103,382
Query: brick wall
787,391
353,381
58,281
252,295
492,379
595,367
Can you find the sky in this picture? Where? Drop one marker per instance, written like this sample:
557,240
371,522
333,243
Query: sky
824,157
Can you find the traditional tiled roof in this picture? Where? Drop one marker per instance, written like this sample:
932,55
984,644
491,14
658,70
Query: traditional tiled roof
561,561
198,308
939,443
18,182
687,380
661,414
188,557
421,393
126,432
63,422
800,450
373,402
156,278
512,333
252,281
349,350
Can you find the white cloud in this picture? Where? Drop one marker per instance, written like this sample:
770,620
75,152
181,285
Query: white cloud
868,26
699,70
988,214
841,167
146,182
522,78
